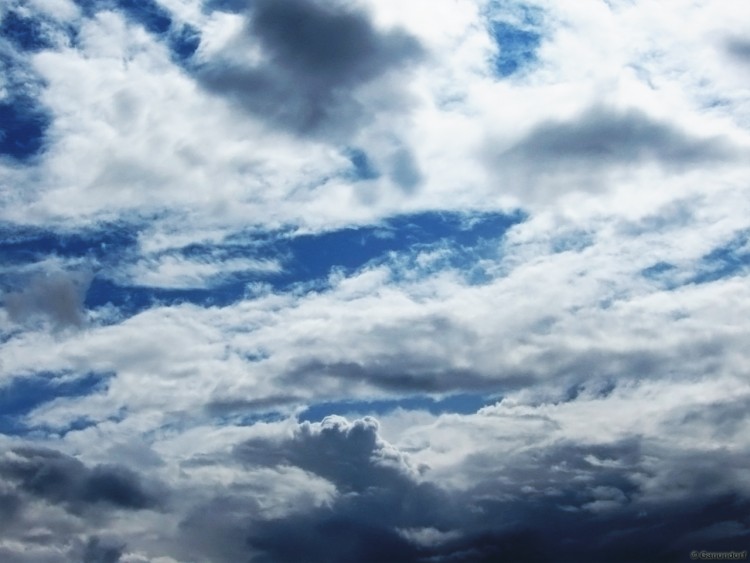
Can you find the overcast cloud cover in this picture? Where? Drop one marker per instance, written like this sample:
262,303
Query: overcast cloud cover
375,281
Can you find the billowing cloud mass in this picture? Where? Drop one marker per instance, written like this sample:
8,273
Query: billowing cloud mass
374,281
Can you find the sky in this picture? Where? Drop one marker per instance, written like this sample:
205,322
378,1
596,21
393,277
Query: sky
403,281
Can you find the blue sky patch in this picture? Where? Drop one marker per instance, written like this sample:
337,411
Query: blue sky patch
146,12
661,271
516,30
314,256
23,119
131,300
104,244
725,261
24,394
516,47
184,42
310,258
22,128
24,32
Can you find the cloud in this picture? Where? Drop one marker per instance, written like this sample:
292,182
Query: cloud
99,552
514,232
605,136
58,478
174,271
587,151
377,490
316,57
739,49
54,296
351,455
533,503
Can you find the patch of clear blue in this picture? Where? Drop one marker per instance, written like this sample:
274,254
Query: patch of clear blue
363,168
24,32
516,47
726,261
314,256
22,128
105,244
148,13
25,393
131,300
184,43
306,259
658,270
464,403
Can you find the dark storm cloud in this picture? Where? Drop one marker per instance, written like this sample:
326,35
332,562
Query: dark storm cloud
318,54
10,505
379,491
350,455
57,297
324,536
604,137
624,501
61,479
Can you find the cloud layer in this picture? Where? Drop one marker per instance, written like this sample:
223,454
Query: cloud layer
436,281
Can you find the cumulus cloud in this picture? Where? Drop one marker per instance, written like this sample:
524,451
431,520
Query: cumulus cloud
62,479
315,59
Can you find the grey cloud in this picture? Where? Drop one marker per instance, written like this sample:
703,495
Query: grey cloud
609,136
398,373
418,356
405,171
379,492
633,500
723,418
97,551
10,505
739,49
61,479
319,53
324,537
351,455
57,297
577,153
227,406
